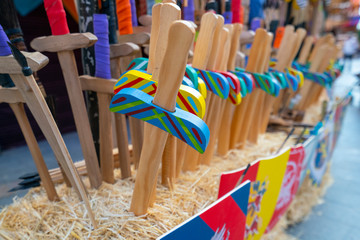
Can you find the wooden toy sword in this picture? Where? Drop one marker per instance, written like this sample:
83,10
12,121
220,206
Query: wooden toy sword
181,36
63,43
25,82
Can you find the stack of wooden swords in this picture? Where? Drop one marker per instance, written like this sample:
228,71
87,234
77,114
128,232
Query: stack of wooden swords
191,111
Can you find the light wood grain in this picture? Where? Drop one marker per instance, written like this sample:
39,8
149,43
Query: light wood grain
181,36
299,37
216,106
316,89
106,142
229,111
255,59
70,73
204,41
140,38
264,102
10,95
145,20
169,160
268,99
122,144
180,157
211,118
235,44
63,45
283,59
202,53
237,122
19,111
96,84
214,47
123,49
306,91
305,50
224,119
154,36
42,115
216,110
65,42
289,30
35,60
319,42
120,119
169,13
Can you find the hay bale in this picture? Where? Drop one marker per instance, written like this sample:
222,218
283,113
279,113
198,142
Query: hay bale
35,217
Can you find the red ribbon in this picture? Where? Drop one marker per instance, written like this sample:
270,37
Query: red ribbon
57,17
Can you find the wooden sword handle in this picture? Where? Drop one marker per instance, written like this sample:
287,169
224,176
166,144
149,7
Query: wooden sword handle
154,36
172,69
305,50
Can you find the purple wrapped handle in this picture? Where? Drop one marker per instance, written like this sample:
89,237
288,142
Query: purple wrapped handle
4,47
133,13
102,47
189,11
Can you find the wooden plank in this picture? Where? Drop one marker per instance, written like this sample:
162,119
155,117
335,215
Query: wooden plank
181,36
123,49
106,143
36,61
69,69
42,115
99,85
19,111
11,95
65,42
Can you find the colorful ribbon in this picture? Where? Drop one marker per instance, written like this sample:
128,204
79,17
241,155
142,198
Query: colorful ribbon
102,47
187,99
181,124
57,17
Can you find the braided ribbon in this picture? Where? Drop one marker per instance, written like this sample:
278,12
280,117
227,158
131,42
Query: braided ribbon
187,99
183,125
57,17
102,47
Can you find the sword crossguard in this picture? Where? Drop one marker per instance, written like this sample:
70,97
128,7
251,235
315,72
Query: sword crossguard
234,84
188,99
215,82
183,125
324,79
190,74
